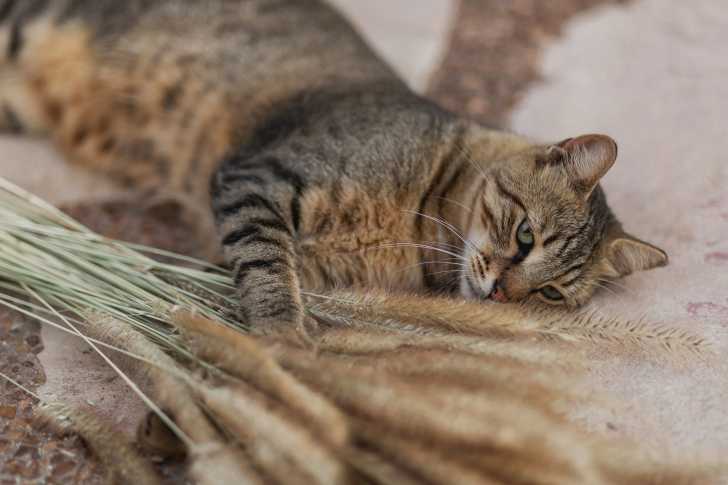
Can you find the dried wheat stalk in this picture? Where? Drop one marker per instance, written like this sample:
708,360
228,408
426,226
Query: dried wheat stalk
384,389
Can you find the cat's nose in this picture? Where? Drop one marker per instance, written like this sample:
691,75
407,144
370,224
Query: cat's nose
497,294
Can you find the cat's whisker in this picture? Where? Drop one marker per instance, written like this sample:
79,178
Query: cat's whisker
606,288
610,285
454,247
463,206
458,271
423,246
454,277
468,156
420,246
449,263
424,263
432,243
447,260
447,226
617,284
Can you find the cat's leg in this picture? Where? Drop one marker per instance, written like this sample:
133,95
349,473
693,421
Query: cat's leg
255,205
19,113
126,101
114,102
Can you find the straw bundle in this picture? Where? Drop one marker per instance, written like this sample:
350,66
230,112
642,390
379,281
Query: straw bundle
381,389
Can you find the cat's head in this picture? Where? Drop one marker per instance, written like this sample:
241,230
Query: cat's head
542,227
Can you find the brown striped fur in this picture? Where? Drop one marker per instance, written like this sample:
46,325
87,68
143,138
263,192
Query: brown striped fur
326,170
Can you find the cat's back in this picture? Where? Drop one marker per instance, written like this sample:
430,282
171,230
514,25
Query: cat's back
150,90
249,44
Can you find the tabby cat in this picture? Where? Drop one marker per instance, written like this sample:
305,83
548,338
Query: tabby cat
323,169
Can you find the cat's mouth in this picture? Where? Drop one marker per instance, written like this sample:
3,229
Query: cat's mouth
476,291
480,293
497,294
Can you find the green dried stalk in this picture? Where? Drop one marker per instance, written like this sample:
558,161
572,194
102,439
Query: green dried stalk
46,253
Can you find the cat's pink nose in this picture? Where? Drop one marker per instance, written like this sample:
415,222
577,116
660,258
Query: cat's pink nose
499,296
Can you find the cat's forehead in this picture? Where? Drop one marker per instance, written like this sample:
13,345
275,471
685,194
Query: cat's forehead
548,197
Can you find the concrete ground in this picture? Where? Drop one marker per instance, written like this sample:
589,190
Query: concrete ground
651,73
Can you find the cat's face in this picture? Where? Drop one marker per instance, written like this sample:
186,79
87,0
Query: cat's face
542,228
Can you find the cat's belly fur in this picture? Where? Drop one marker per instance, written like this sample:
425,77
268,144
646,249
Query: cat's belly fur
352,238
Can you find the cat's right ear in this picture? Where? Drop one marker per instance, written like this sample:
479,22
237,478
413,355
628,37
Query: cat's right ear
586,159
626,254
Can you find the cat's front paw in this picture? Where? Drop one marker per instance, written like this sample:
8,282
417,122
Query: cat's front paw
271,320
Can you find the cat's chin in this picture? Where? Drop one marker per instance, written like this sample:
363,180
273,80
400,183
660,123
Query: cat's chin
470,291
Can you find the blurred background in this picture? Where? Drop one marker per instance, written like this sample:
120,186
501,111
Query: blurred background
650,73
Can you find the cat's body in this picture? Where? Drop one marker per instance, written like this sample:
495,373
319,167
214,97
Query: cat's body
326,169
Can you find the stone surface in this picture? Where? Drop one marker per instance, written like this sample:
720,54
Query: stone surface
494,53
29,454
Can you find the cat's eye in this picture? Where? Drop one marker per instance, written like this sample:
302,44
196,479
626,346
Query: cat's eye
552,293
524,235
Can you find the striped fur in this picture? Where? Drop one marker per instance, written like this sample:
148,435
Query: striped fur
322,168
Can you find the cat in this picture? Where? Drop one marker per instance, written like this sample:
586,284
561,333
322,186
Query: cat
322,168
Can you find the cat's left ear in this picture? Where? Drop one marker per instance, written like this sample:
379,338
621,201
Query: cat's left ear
626,254
586,158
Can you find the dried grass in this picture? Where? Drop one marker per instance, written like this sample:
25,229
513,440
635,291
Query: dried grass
383,389
244,358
